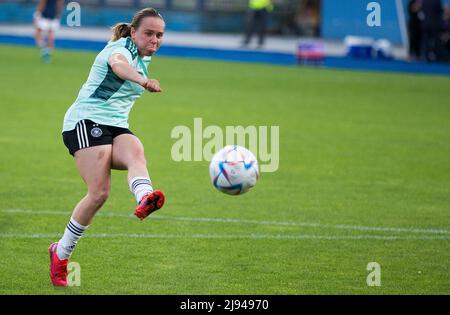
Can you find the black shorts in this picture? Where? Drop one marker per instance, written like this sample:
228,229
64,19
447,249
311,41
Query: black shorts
90,134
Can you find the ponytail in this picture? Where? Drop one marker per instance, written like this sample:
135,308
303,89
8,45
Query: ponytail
120,30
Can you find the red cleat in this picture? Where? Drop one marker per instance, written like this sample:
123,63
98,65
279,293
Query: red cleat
150,203
58,268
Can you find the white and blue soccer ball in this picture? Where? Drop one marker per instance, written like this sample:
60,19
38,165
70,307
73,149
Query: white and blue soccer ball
234,170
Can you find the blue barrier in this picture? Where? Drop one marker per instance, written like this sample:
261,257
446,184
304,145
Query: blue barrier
251,56
349,17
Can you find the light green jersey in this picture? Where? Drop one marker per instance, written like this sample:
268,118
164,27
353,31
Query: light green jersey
105,98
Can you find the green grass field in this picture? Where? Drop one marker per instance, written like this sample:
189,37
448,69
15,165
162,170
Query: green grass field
364,177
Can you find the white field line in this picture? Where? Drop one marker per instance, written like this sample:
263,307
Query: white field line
243,221
231,236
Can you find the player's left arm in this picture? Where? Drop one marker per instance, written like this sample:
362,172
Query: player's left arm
39,9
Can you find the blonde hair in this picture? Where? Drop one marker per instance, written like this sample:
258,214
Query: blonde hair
124,29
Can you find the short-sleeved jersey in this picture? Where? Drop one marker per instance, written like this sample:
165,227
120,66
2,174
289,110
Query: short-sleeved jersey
105,98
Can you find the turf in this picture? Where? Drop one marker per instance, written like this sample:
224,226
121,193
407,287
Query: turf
364,176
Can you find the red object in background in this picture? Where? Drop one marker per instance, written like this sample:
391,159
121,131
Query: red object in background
310,53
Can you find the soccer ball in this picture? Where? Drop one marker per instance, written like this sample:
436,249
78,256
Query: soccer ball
233,170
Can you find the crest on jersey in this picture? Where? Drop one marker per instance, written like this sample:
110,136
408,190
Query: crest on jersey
96,132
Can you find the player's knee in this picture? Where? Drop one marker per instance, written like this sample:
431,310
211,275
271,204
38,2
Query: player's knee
100,195
101,198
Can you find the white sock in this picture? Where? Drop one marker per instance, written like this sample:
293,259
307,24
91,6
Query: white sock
140,186
74,231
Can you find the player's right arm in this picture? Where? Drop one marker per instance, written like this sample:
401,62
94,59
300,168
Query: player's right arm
39,9
41,5
120,66
59,8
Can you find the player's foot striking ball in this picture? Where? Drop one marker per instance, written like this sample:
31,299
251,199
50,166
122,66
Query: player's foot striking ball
150,203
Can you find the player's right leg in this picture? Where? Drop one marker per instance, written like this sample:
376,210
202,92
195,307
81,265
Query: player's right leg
94,165
38,37
250,29
42,27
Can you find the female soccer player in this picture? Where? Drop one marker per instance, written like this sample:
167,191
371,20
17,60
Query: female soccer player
46,20
96,130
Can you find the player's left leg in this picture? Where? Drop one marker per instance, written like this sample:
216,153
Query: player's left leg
128,154
43,28
51,39
48,49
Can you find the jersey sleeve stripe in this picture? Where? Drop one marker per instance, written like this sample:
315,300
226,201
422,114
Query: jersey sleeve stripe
131,48
110,85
